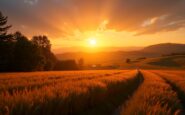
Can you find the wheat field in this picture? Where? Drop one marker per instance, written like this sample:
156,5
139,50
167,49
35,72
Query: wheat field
96,92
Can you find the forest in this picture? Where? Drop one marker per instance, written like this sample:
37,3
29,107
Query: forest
18,53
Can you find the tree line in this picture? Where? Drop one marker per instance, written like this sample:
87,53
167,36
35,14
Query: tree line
18,53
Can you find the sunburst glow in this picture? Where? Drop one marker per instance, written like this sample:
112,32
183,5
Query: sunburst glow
92,41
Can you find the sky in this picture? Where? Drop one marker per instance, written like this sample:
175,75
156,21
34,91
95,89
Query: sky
111,23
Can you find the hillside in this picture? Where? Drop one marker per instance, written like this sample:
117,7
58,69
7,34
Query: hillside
117,57
94,49
165,62
105,58
165,48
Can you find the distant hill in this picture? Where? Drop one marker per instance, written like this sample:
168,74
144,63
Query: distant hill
94,49
165,48
164,62
118,57
105,58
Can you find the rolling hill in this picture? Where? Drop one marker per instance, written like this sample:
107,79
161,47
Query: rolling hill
119,57
165,48
163,62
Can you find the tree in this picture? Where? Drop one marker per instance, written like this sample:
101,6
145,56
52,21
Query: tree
66,65
17,53
127,60
27,56
6,55
4,28
6,45
42,41
81,63
45,47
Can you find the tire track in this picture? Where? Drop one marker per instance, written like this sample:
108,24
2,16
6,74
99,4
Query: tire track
180,93
154,96
140,81
51,82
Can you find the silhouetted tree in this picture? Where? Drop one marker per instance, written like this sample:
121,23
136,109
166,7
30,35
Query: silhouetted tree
81,63
42,41
6,55
45,47
18,53
6,45
27,56
127,60
66,65
4,28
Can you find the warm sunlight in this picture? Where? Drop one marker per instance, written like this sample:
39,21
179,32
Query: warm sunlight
92,41
57,54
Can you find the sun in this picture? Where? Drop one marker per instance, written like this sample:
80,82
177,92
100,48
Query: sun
92,41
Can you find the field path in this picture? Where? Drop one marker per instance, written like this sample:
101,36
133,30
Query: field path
154,96
118,110
13,82
175,87
66,93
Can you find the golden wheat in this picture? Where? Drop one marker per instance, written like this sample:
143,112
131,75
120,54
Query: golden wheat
63,93
154,97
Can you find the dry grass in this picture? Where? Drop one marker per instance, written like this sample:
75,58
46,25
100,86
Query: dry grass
177,81
176,77
64,93
154,97
92,92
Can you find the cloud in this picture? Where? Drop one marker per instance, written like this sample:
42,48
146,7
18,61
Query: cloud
149,22
147,16
31,2
103,26
64,17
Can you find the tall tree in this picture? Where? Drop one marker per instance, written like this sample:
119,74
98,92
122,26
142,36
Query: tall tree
4,28
42,41
45,47
27,56
6,46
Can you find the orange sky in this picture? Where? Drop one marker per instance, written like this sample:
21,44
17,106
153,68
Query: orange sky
115,23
